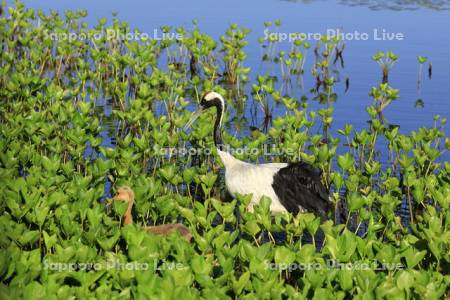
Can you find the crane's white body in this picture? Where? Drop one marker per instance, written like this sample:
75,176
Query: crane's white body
245,178
291,187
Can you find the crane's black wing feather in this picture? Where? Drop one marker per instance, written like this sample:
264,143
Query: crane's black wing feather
299,185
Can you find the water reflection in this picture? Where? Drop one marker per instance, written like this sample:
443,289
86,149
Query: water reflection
397,5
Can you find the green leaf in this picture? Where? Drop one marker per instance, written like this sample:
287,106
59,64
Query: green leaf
252,227
355,201
209,179
120,207
200,265
421,59
238,285
34,290
306,253
405,280
345,162
49,241
345,279
332,246
284,256
29,237
108,243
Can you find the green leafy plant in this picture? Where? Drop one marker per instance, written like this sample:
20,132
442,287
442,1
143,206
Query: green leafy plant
82,118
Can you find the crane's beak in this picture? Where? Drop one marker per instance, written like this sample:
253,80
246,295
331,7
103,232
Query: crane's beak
193,118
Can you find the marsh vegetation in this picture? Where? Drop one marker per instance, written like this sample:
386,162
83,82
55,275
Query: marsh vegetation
82,117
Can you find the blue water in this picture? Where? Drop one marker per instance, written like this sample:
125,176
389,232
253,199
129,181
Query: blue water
425,31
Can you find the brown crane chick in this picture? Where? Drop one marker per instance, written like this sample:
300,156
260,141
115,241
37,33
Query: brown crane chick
126,194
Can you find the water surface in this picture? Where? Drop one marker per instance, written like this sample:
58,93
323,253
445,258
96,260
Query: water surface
424,24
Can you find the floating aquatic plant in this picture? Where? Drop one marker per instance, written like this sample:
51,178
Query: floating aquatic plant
80,118
386,61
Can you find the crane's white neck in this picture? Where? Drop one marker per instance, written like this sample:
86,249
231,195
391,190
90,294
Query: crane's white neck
226,158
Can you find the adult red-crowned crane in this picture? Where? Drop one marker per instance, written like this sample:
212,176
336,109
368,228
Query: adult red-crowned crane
292,187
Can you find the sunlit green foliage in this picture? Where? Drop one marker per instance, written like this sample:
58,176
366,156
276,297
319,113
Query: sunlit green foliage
59,239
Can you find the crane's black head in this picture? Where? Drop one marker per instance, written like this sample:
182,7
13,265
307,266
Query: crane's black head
211,99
